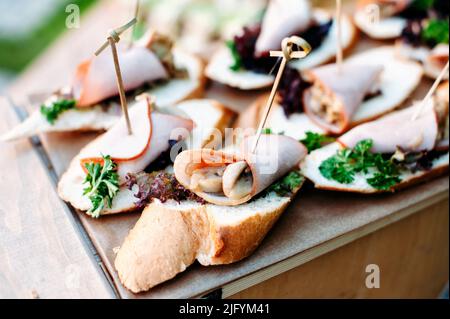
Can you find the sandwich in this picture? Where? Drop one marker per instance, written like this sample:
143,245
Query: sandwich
200,26
245,62
152,65
391,153
329,100
420,27
98,179
235,197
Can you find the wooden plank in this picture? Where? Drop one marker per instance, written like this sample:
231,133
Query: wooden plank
41,254
324,248
313,219
420,268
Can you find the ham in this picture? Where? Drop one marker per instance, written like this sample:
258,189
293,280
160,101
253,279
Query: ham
133,153
283,18
233,179
336,94
95,79
397,130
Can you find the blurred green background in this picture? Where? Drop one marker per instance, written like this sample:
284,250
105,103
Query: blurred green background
27,27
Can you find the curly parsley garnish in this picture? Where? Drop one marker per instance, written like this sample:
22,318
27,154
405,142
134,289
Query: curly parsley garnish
53,111
314,141
436,32
237,60
103,185
342,167
287,184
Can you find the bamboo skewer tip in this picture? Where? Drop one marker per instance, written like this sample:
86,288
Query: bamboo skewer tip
287,53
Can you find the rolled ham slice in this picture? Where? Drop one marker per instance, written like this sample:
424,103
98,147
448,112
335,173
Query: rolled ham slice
233,179
283,18
336,94
397,130
95,79
133,153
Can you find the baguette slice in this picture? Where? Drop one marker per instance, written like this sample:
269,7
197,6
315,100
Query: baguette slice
208,115
219,70
398,80
96,118
169,237
310,169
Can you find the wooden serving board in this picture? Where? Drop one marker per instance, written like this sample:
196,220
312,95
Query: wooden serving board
315,223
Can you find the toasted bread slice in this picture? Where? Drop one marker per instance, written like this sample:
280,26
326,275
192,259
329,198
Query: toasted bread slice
219,70
397,82
211,119
208,115
98,118
169,237
310,169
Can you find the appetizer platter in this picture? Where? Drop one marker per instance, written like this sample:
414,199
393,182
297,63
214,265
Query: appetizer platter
160,220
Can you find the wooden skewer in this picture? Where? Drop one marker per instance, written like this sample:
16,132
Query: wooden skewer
339,54
136,16
123,97
430,93
115,34
113,38
287,54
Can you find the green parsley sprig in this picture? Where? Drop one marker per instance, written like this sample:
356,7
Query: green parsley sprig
287,184
237,60
314,141
342,167
103,185
436,31
53,111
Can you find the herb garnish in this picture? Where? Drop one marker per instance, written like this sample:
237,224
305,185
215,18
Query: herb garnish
287,184
267,131
422,5
313,141
103,185
343,167
53,111
436,32
237,60
159,185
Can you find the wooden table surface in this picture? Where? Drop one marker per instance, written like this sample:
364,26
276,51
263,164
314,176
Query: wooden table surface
49,250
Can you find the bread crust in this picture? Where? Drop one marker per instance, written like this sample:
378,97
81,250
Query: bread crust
237,242
429,175
228,117
170,237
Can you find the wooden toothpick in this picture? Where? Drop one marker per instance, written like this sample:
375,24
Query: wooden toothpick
113,38
136,17
339,54
286,54
430,93
115,34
